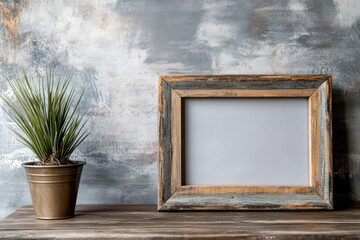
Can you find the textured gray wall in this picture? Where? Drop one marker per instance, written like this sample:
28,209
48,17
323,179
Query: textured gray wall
117,48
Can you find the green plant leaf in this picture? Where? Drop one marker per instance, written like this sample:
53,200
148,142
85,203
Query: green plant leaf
45,111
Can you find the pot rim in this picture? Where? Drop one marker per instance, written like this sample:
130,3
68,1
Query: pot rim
31,165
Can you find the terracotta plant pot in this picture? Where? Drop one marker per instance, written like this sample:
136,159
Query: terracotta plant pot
54,189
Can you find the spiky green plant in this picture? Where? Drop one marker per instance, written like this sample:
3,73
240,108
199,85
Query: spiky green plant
45,111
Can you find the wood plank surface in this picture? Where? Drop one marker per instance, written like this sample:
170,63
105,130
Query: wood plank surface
144,222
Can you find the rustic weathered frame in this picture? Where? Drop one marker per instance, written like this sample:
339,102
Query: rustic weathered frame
173,195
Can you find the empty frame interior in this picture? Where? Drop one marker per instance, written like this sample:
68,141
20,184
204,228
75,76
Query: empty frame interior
245,142
235,141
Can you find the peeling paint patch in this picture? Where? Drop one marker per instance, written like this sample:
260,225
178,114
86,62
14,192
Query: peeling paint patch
10,18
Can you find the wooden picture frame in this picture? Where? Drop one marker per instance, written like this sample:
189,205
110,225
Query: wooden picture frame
174,195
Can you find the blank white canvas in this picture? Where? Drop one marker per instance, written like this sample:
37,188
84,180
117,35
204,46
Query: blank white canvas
246,141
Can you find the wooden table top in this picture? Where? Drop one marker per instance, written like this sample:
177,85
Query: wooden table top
144,222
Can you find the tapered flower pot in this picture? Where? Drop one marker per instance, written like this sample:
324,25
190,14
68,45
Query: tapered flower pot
54,189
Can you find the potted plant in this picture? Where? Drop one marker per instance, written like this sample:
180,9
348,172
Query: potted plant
44,109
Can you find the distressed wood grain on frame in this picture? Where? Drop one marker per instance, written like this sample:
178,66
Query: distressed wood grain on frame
173,195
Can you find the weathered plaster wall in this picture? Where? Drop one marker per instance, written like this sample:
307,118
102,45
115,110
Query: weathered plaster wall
117,48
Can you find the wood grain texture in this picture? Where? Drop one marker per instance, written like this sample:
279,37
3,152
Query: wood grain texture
245,81
174,196
258,84
176,141
230,78
144,222
314,142
326,141
261,201
165,145
329,142
220,190
245,92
